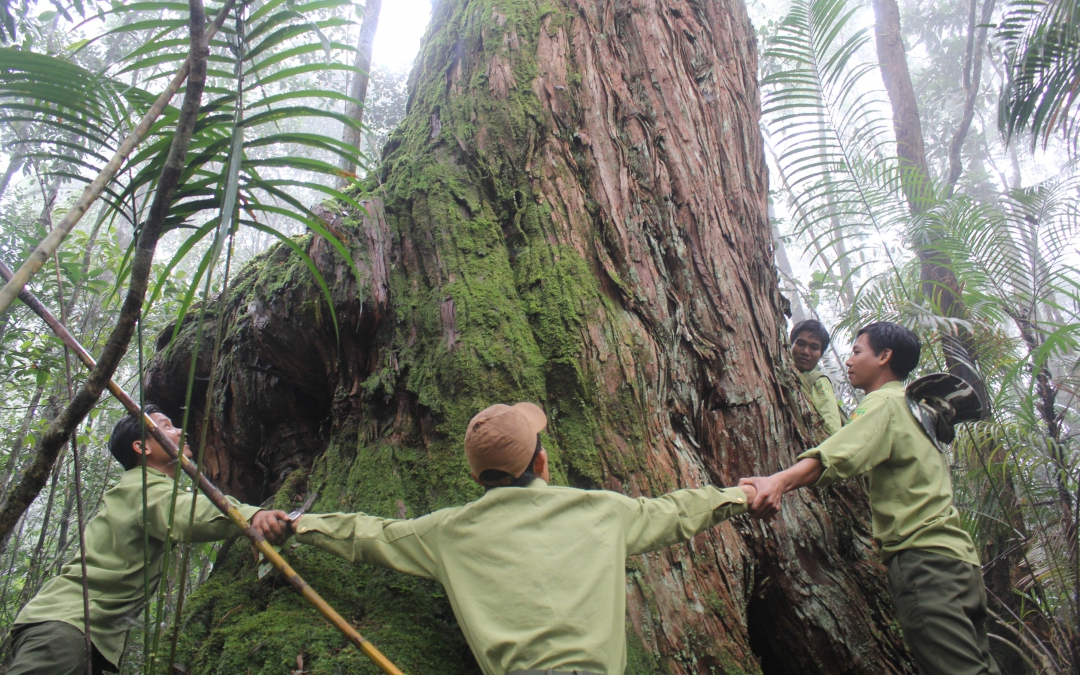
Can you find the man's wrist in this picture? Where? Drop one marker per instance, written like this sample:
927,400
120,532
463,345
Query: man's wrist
786,481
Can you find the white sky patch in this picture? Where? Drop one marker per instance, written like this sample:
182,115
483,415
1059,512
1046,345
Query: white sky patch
401,26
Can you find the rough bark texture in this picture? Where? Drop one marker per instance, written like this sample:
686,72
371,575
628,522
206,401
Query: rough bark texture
573,212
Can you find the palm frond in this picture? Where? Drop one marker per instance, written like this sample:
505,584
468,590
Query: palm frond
65,112
280,44
826,119
1042,47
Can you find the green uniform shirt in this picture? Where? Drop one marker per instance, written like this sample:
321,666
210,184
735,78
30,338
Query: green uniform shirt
114,558
819,388
536,575
910,488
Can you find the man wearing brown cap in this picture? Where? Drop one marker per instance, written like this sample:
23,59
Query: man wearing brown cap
535,573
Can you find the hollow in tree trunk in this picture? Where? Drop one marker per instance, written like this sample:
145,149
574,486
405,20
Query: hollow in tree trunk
573,212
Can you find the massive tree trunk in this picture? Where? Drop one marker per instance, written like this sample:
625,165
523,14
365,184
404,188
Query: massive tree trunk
574,213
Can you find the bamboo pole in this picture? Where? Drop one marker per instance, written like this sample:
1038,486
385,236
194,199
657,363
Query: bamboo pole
50,244
211,491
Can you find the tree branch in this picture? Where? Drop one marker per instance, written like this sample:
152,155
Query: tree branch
972,81
13,167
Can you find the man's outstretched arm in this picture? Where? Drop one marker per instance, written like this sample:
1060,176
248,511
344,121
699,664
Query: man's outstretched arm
651,524
208,524
771,489
358,537
853,450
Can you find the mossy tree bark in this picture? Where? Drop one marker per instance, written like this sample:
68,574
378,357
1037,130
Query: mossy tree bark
574,213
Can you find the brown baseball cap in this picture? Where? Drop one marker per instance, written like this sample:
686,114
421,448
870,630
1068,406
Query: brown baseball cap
503,438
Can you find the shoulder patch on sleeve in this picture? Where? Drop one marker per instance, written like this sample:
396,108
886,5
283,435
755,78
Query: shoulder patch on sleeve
859,412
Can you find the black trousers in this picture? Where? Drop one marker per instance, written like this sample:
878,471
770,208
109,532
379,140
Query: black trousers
941,604
53,648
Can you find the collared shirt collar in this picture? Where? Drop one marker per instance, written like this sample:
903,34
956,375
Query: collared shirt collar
132,475
535,483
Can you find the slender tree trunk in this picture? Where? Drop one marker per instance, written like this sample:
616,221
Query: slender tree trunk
20,440
88,250
906,123
65,522
12,561
33,575
973,59
939,283
1046,392
13,167
573,212
783,265
359,85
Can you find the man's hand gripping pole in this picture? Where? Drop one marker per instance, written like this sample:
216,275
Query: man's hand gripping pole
210,490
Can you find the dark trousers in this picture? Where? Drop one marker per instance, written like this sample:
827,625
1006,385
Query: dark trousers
53,648
941,604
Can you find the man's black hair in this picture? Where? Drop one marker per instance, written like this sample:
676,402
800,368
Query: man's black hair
815,328
493,478
902,341
126,433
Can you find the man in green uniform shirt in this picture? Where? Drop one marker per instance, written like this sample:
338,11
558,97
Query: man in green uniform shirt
48,636
536,573
809,340
934,574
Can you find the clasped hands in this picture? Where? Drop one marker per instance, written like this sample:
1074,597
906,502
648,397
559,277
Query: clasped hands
764,494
